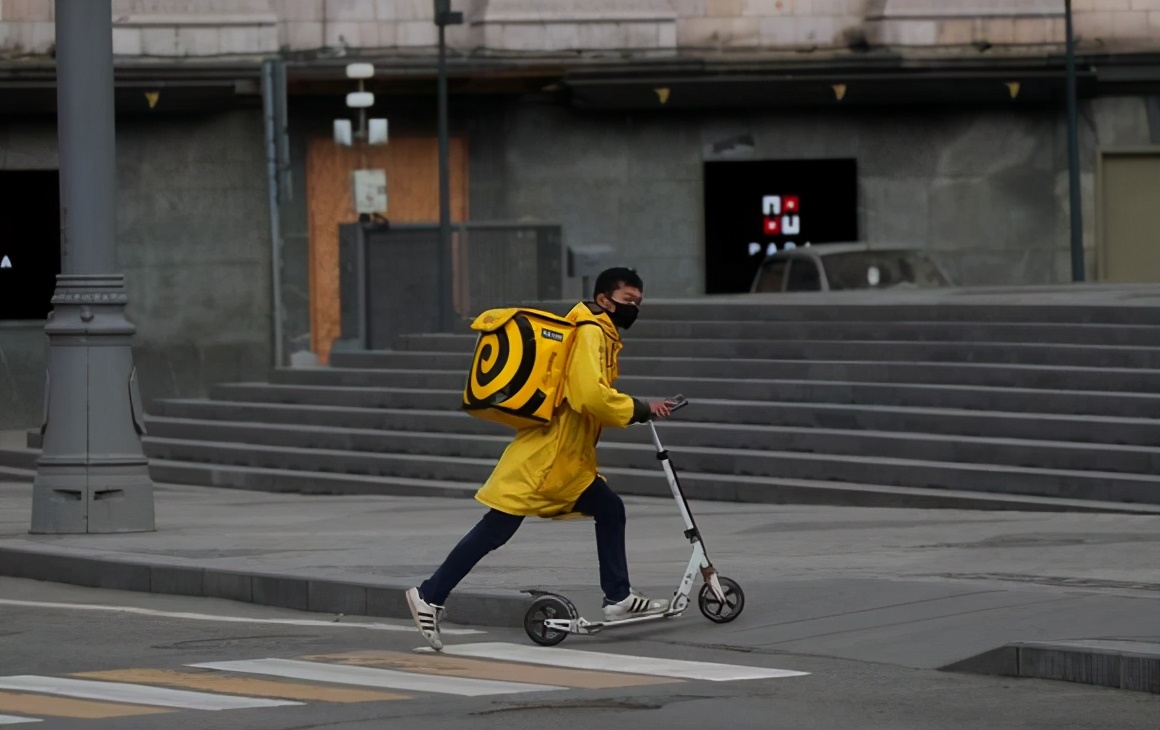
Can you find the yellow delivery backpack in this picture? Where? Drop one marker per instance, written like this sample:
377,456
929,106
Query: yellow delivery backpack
517,373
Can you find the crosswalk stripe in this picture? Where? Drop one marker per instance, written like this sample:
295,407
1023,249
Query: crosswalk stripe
185,615
30,704
134,693
579,659
368,677
208,682
450,666
13,720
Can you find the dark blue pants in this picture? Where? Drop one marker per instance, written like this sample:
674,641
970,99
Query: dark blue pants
496,528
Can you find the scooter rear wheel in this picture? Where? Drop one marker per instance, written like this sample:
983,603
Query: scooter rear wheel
546,607
712,607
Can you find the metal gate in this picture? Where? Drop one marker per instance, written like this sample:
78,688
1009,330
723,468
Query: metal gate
390,275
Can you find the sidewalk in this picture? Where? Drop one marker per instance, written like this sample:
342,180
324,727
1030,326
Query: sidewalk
920,588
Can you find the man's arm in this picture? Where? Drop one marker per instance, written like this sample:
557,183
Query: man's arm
588,390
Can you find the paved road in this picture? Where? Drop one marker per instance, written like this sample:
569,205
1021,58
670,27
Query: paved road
269,669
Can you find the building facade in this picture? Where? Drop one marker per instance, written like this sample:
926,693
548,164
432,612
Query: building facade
650,126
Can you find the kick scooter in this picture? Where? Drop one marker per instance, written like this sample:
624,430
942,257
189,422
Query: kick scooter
551,616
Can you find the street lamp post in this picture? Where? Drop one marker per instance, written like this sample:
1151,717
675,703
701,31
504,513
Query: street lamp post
92,475
1075,196
443,18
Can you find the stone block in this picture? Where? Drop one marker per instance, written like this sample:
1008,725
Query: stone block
745,33
914,32
198,41
415,10
667,35
356,10
303,36
523,37
1140,673
704,32
177,580
32,36
386,10
724,8
346,34
562,36
416,33
337,597
242,40
959,32
640,35
1130,24
1098,24
276,590
127,41
778,32
227,584
1031,31
297,11
386,602
160,41
601,35
769,7
28,10
817,30
997,31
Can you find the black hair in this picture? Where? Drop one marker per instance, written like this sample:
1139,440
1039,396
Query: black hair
612,279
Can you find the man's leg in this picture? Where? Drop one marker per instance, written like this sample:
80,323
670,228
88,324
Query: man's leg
606,506
491,532
426,601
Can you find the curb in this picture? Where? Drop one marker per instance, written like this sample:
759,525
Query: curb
298,592
1100,663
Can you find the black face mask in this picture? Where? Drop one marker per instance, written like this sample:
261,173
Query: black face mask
624,315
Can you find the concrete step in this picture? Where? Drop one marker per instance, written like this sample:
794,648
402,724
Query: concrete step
1120,308
20,476
19,458
987,374
1084,429
991,352
696,439
729,489
1073,334
270,479
717,463
325,388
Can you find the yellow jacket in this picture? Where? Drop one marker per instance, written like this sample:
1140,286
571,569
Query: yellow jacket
546,468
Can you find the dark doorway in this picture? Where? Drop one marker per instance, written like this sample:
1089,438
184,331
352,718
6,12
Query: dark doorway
29,242
753,208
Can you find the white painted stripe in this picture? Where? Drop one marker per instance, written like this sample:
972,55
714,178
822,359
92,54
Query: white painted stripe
574,659
137,694
372,677
14,720
231,619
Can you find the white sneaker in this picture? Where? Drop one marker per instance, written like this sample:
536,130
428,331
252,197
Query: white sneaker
427,617
635,606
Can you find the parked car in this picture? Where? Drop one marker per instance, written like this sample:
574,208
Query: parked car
846,266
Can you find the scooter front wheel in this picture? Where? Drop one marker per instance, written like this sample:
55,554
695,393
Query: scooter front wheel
717,611
547,607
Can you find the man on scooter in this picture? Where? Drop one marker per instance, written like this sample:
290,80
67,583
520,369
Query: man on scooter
551,471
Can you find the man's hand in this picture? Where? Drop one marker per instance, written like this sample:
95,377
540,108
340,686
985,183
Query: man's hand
660,410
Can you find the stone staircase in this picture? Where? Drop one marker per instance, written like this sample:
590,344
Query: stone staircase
802,400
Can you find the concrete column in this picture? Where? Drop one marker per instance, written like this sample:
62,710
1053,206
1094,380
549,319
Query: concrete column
92,475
